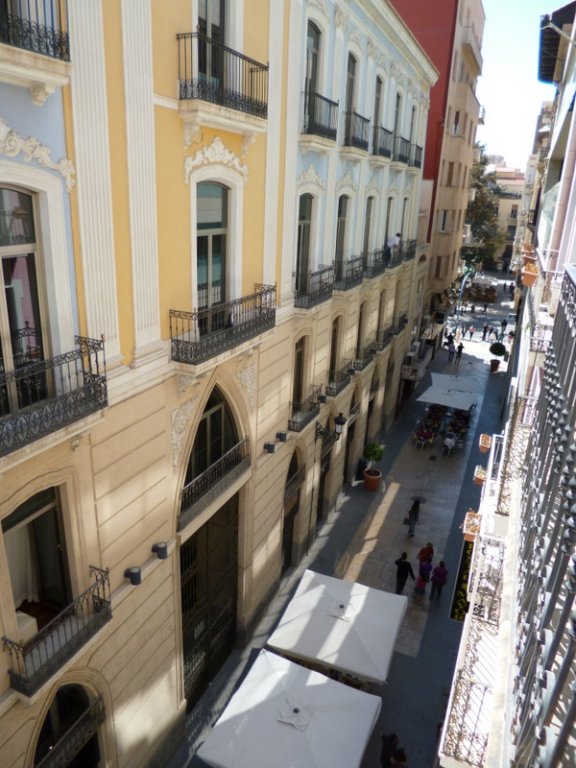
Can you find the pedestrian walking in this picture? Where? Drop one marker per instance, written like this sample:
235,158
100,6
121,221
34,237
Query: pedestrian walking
403,570
451,350
438,579
419,590
471,331
504,323
426,552
485,331
389,746
413,515
425,569
459,350
485,308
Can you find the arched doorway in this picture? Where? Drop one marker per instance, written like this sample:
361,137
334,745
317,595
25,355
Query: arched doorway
294,480
69,732
209,559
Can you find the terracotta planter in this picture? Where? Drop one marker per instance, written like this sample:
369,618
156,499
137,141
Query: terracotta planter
485,443
372,479
529,275
479,475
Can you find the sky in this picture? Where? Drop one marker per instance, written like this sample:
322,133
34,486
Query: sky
509,89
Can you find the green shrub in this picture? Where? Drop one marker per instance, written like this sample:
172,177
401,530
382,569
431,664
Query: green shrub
373,451
497,349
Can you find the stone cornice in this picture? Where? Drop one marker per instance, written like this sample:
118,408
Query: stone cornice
215,154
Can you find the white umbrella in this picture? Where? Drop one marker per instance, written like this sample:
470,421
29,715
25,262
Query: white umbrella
451,398
286,716
342,625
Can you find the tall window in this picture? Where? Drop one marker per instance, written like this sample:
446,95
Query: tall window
412,136
377,102
360,333
211,17
397,115
21,338
312,58
211,25
388,226
298,381
404,226
367,225
216,435
334,339
212,222
303,245
341,229
350,80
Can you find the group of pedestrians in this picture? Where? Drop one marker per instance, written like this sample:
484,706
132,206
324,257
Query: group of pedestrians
436,576
453,350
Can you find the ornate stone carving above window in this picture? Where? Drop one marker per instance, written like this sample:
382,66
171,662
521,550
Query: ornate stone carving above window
215,154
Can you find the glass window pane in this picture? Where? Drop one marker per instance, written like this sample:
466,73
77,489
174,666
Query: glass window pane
16,219
22,306
211,206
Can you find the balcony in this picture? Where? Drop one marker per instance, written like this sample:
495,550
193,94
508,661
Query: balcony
375,262
339,379
408,250
220,88
320,120
75,737
364,356
201,335
304,411
400,324
415,156
385,338
35,45
382,142
357,131
42,396
211,483
471,48
34,662
348,273
312,288
401,151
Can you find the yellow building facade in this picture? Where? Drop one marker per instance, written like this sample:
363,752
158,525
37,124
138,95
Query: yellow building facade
209,272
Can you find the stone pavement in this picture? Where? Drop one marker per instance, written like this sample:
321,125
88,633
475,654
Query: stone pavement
360,542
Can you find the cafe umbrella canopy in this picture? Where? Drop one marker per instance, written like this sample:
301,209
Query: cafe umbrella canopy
449,391
341,625
285,715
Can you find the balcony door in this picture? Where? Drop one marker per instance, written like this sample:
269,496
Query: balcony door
340,236
350,96
212,31
215,436
211,245
21,339
35,550
303,245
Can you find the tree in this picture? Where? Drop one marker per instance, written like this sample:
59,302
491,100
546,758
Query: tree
482,211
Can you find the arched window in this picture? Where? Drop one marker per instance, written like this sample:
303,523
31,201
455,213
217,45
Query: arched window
303,243
341,230
216,435
367,226
312,58
211,251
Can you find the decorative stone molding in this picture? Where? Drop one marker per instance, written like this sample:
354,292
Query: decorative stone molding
346,181
180,420
340,19
374,186
355,36
310,176
12,145
371,48
320,4
246,374
39,92
215,154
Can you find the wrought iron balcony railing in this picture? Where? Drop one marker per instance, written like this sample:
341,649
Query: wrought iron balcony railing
348,273
357,132
210,71
375,262
313,288
34,662
400,323
364,356
382,142
304,411
415,158
39,26
200,491
76,737
294,483
385,337
408,249
200,335
42,396
401,150
320,116
339,379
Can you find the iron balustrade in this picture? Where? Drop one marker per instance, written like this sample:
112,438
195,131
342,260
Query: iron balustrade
210,71
382,142
43,395
320,116
394,256
375,262
201,490
34,662
39,26
304,411
364,357
200,335
408,249
340,378
357,130
348,273
401,150
312,288
415,159
71,743
386,337
400,323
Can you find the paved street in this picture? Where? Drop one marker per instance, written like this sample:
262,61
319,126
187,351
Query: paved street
361,540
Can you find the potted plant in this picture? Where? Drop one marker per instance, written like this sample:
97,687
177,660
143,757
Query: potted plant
498,350
372,477
529,274
479,475
485,443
